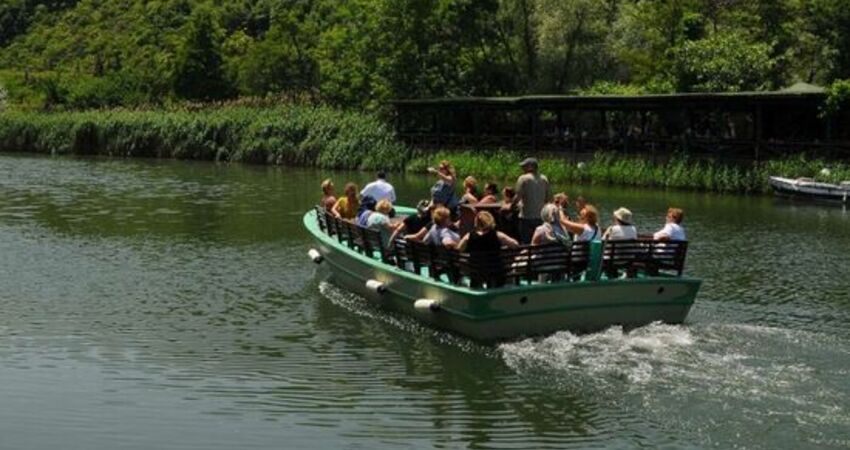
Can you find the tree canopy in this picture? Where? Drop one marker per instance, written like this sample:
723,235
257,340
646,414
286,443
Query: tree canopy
361,53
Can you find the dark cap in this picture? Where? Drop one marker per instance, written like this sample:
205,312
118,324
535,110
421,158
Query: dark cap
528,162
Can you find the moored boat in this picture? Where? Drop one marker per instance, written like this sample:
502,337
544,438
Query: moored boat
807,188
522,292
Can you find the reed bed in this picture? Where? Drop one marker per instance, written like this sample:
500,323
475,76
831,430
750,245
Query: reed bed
679,171
286,135
315,136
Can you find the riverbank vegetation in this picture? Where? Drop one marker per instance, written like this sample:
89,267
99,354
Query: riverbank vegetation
293,134
77,54
147,78
679,171
310,136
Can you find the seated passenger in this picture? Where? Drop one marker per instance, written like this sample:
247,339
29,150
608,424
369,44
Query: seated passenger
622,229
483,245
551,231
439,233
470,191
367,207
561,200
673,230
485,237
491,193
587,228
328,196
415,222
509,213
466,222
580,203
346,207
380,220
379,189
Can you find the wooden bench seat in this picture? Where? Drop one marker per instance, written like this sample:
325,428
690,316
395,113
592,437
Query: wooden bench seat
649,256
524,265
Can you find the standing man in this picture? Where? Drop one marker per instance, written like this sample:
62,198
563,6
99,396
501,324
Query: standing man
379,189
532,192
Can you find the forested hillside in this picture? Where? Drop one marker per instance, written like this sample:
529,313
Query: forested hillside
360,53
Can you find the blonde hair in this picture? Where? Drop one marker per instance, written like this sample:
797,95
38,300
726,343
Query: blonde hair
384,206
560,198
470,182
676,214
549,213
591,214
484,221
440,214
327,185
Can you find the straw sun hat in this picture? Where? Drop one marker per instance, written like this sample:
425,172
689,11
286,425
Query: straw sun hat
623,215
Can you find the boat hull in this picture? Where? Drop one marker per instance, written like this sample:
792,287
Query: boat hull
513,311
809,190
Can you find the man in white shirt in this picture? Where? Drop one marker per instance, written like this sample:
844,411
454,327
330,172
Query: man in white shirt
379,189
673,230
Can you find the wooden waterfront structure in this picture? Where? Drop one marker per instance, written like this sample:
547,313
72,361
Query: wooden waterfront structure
744,125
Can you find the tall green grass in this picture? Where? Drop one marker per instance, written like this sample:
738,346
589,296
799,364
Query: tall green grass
303,135
679,171
291,134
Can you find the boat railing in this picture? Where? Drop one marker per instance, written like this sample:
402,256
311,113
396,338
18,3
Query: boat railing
518,266
648,256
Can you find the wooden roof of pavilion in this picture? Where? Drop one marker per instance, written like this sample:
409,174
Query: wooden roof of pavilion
798,93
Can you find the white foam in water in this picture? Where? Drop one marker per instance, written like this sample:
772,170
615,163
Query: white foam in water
686,379
364,308
632,356
679,375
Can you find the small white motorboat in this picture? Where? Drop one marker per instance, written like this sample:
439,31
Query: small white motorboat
811,189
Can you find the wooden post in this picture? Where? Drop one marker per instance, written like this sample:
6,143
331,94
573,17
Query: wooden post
759,118
436,127
535,126
476,126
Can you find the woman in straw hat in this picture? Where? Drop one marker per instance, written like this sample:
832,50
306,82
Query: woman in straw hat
622,229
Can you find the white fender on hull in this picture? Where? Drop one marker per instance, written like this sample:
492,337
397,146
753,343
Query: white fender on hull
315,256
376,286
426,305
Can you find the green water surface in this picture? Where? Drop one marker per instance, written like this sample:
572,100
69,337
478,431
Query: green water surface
171,305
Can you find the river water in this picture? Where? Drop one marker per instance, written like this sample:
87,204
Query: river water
171,305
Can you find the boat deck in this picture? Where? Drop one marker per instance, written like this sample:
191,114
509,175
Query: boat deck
527,266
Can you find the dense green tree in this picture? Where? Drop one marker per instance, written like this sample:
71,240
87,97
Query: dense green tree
722,62
283,61
364,52
199,71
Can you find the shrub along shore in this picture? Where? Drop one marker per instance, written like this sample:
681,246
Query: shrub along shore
313,136
680,171
286,135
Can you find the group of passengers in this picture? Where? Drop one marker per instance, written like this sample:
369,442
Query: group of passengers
469,222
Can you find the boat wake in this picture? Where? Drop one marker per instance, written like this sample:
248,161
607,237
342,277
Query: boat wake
681,376
634,356
364,308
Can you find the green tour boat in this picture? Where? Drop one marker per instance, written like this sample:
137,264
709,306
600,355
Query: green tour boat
528,291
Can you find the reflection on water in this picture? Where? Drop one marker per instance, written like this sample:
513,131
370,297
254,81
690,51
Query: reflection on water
170,305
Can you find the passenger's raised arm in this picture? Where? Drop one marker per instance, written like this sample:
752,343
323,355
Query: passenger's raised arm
586,229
